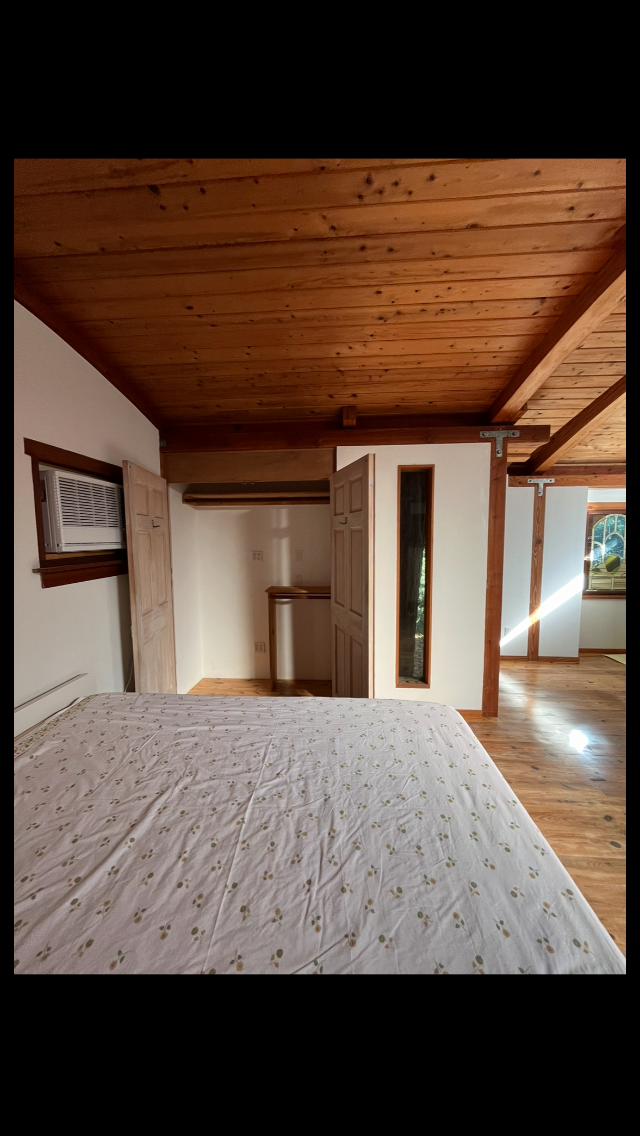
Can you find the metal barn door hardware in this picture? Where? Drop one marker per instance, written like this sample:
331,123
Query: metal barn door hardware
540,482
499,435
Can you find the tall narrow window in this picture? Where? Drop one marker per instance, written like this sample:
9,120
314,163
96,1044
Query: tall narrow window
415,484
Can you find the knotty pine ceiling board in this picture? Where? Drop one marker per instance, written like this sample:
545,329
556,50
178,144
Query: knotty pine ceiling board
280,289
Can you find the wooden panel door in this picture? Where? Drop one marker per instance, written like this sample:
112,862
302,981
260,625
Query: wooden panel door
150,585
352,579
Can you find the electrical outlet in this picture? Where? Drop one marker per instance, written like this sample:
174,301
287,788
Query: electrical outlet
259,648
506,631
257,554
298,554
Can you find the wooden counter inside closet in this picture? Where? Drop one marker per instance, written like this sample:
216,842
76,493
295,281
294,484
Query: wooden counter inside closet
283,592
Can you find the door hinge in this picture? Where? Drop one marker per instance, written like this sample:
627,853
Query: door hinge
499,435
540,482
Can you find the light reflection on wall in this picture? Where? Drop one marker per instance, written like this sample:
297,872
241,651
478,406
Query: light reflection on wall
561,596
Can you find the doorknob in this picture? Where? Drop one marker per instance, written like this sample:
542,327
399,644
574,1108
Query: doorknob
156,524
343,522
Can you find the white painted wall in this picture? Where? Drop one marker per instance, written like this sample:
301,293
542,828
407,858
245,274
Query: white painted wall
62,400
232,605
563,561
516,585
604,622
186,590
460,529
607,495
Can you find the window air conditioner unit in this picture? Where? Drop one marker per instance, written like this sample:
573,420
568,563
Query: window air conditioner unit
80,514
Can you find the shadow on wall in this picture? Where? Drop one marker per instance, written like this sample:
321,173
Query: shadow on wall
125,645
242,553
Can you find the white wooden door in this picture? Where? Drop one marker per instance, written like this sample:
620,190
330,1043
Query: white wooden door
150,586
352,490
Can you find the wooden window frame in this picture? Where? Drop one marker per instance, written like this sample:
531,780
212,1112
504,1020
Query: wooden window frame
428,579
603,507
61,568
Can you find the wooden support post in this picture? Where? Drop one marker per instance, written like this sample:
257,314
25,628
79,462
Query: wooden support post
537,552
495,562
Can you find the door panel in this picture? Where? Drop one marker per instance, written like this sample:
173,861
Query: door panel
356,668
145,589
356,596
352,495
339,661
150,589
141,499
356,494
159,567
157,503
338,589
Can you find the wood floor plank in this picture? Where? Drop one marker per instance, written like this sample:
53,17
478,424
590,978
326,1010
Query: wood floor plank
578,800
261,688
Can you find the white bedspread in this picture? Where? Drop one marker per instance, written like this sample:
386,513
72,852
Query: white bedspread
167,834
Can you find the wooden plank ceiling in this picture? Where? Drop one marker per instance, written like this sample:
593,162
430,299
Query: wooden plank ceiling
252,290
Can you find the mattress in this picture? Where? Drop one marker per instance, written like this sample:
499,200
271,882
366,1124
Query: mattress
168,834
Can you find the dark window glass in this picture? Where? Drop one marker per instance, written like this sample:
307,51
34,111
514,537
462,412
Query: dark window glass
414,572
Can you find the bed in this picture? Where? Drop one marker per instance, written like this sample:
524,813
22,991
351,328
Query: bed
169,834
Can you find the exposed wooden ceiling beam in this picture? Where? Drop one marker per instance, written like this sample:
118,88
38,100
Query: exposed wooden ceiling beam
573,432
591,306
391,431
33,304
606,476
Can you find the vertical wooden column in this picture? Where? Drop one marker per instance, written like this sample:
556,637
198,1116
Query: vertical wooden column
273,643
537,552
495,562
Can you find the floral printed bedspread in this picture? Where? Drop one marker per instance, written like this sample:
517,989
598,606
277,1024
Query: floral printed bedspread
168,834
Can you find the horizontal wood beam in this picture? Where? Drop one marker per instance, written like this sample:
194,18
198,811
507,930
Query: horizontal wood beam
393,431
606,476
573,432
55,323
584,314
205,468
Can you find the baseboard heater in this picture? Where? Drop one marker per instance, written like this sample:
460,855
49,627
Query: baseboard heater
37,709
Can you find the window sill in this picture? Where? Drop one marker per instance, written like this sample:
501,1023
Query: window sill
53,576
604,595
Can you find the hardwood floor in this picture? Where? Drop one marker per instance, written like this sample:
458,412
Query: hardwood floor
261,688
578,800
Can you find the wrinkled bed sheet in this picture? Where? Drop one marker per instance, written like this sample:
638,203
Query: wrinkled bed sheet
168,834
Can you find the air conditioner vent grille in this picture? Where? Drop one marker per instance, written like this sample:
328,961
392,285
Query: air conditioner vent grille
88,505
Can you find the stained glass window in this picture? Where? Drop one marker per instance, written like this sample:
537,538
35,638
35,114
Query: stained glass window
606,551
